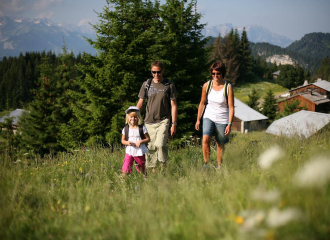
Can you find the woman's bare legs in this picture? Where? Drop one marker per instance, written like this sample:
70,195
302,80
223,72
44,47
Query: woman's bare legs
220,150
206,148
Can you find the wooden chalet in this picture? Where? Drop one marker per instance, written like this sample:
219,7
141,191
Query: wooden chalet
247,119
315,97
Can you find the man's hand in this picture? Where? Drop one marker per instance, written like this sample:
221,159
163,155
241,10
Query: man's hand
173,129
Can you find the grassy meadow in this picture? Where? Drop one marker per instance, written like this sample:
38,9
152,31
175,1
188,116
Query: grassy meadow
261,85
268,188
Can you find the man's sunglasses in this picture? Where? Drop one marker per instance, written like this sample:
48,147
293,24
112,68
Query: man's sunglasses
159,72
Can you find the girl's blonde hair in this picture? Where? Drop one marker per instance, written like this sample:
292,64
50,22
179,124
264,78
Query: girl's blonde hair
136,113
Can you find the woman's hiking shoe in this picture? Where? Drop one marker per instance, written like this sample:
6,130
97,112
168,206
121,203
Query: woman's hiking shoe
206,167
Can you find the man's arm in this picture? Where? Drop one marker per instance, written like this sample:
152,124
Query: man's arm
174,110
139,104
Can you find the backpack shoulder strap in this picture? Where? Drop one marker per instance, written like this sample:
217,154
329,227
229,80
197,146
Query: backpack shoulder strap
209,87
226,91
141,131
147,87
208,90
126,132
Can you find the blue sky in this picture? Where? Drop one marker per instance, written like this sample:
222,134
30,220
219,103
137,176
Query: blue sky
290,18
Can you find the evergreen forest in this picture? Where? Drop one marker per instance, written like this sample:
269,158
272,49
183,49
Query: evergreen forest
75,101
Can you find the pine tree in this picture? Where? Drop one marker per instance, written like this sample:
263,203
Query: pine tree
245,58
39,131
290,76
291,107
126,40
269,106
323,71
131,34
185,56
253,99
227,51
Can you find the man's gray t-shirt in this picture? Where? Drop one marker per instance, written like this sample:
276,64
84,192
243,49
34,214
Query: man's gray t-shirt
159,105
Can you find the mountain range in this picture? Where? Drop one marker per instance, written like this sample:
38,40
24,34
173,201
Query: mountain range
27,35
255,34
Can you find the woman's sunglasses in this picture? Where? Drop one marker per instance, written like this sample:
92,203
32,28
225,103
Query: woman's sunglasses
218,74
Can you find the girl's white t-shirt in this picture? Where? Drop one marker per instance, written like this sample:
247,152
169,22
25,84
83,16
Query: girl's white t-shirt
134,136
216,109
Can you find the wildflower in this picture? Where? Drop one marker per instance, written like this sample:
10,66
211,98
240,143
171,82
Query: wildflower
277,218
266,196
87,208
239,220
252,218
315,173
267,158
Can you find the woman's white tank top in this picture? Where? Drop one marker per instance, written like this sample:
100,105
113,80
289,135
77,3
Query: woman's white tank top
216,109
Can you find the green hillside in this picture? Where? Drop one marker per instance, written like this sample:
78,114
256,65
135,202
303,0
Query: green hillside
314,45
261,85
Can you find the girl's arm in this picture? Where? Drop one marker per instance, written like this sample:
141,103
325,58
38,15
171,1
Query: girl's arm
124,142
201,107
145,140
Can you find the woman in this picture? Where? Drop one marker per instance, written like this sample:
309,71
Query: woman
217,112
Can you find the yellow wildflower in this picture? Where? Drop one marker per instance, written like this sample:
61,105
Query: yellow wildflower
239,220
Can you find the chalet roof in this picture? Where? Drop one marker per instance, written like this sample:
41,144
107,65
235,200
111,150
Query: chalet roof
315,97
324,84
302,123
245,113
15,114
277,72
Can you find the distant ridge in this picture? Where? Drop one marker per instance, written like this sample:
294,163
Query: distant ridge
255,33
20,35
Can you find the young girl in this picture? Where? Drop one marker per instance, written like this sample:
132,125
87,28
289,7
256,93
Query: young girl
134,137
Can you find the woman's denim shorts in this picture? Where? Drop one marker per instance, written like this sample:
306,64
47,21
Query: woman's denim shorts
210,127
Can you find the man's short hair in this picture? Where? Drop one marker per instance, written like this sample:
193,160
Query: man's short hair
157,63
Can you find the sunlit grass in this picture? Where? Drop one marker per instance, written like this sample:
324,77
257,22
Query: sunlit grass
80,195
242,92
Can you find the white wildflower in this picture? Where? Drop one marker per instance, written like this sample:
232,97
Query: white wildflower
271,155
252,219
315,173
277,218
261,194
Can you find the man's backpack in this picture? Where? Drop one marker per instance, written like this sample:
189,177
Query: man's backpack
209,87
126,130
167,87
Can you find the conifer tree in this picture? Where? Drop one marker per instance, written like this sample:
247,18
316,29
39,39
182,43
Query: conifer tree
269,107
39,131
291,107
253,99
126,42
245,58
185,56
130,35
323,71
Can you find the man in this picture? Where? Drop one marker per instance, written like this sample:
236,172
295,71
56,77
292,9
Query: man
161,108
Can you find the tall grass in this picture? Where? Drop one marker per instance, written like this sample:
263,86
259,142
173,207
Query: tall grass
80,195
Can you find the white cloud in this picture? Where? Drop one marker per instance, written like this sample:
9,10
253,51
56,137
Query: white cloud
26,7
84,22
